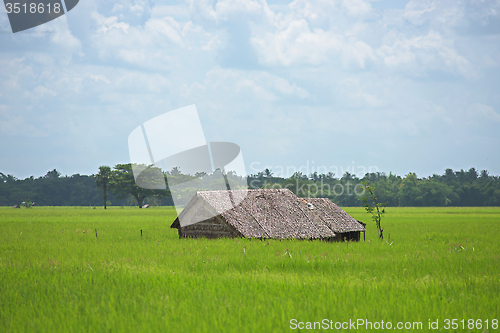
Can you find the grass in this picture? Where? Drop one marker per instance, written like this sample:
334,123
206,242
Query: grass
55,275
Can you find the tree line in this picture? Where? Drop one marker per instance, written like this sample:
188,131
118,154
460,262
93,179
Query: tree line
452,188
52,189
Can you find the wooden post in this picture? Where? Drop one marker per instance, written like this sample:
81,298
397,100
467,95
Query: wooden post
141,233
95,233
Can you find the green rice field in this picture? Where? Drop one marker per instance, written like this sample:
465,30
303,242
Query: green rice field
437,266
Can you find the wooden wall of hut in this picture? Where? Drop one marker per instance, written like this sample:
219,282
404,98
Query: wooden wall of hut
351,236
215,227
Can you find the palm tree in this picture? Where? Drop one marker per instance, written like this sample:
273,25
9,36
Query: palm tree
102,180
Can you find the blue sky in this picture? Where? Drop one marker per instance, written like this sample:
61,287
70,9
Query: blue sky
401,86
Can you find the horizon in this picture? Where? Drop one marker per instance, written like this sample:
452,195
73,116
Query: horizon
278,175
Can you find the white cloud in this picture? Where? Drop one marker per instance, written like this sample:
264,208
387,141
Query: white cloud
98,77
416,11
131,10
41,92
319,10
356,7
284,87
295,39
230,10
248,84
14,124
298,45
356,94
224,9
483,112
154,45
107,23
178,11
167,28
423,53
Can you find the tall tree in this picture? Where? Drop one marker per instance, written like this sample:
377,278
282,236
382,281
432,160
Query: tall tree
124,183
54,174
408,190
7,178
102,179
472,174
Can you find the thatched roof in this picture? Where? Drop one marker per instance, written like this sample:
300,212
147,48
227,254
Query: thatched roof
334,216
272,213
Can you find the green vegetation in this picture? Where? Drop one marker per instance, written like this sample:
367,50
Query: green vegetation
102,179
372,207
123,182
55,275
76,190
453,188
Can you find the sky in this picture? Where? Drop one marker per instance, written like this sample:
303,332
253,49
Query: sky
304,85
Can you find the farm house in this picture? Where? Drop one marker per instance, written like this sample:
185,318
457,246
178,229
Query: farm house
265,213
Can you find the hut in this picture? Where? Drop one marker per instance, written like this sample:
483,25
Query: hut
263,213
342,224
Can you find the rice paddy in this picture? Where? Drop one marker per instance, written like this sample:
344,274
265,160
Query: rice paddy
57,275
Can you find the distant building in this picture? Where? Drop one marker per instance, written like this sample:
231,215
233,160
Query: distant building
266,213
